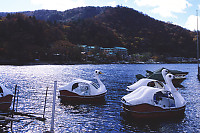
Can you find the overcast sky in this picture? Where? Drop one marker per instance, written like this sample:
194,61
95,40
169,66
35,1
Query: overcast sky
179,12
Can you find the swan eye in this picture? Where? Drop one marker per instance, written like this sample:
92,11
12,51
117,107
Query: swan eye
170,76
98,72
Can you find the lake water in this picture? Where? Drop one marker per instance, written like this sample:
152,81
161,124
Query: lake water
32,82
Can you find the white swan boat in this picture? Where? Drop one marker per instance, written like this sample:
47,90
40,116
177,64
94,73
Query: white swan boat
5,98
81,90
150,102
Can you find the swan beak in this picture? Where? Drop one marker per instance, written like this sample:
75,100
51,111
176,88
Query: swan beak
101,73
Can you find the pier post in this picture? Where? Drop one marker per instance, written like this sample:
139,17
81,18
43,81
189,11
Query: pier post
45,101
53,106
13,109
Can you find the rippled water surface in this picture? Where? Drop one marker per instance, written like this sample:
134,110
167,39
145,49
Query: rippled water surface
32,82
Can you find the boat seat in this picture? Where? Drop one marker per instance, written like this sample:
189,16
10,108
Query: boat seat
74,86
151,84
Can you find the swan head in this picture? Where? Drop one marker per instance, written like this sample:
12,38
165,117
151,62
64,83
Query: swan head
170,77
165,72
97,72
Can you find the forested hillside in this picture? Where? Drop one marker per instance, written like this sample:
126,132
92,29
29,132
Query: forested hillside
40,34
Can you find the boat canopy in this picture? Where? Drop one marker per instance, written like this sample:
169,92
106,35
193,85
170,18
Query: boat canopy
146,82
82,87
170,71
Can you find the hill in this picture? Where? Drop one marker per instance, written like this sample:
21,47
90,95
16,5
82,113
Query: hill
99,26
122,26
139,33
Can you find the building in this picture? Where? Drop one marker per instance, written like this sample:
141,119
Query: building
107,51
121,51
114,51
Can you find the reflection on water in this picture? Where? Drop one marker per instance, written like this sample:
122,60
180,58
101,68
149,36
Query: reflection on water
32,82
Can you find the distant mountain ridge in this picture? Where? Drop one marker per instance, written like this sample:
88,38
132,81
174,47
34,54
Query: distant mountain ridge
63,16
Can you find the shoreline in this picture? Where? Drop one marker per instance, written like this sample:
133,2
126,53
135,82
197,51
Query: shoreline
83,63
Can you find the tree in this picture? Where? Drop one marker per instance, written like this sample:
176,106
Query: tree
66,51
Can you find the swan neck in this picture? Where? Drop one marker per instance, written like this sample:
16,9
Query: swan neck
98,80
169,82
164,77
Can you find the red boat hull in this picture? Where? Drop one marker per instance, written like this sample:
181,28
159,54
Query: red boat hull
67,96
5,102
146,111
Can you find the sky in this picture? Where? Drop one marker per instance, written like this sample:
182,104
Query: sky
178,12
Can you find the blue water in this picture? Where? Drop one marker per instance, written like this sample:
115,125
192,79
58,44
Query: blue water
32,82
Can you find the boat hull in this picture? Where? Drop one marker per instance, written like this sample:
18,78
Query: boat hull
67,96
5,102
146,111
178,81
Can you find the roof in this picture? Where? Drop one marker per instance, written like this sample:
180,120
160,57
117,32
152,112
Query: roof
121,48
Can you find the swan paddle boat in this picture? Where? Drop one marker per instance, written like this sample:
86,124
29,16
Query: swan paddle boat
5,98
149,82
149,102
179,76
81,90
